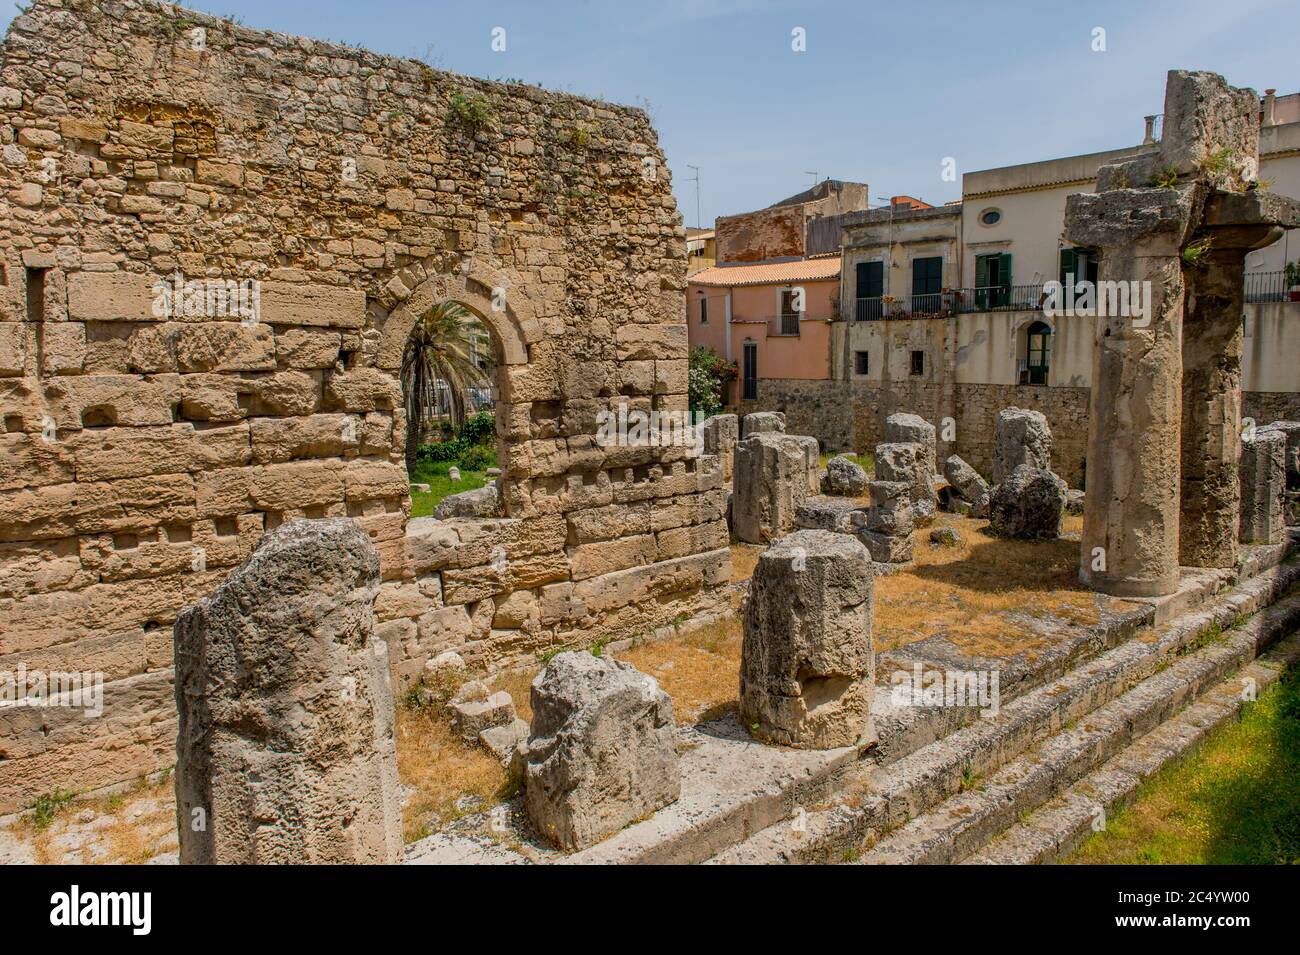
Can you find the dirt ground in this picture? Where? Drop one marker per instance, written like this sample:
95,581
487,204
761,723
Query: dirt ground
976,593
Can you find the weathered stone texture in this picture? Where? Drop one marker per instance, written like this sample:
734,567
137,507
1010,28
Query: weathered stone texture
286,752
807,663
760,422
771,480
1028,505
844,477
1021,436
970,486
147,449
1263,487
886,528
602,750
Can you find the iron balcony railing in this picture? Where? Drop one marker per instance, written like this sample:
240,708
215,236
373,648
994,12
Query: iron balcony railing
1259,287
934,304
1269,287
785,325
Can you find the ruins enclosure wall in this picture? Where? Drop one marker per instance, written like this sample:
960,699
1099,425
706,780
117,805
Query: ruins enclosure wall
143,455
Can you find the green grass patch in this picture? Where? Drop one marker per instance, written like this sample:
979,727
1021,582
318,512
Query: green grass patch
867,460
434,474
1234,801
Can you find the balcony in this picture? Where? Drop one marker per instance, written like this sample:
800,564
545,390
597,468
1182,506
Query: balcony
783,326
1268,287
1259,287
995,298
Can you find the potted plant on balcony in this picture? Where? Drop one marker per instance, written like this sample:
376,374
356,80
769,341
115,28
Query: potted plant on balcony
1293,281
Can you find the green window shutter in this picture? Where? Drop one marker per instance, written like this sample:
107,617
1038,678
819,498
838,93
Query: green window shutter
1004,269
1069,265
981,271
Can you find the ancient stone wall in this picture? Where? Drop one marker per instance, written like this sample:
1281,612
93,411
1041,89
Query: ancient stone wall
147,443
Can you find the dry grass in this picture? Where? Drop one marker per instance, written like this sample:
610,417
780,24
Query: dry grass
744,558
966,593
127,828
699,670
442,770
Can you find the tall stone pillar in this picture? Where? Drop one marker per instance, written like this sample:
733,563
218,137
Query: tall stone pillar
1145,217
1233,225
285,752
1130,535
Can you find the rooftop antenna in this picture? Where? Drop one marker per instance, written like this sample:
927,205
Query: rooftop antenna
696,180
813,174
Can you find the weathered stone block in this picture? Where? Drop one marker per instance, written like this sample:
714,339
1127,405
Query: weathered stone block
969,485
1020,437
770,480
807,663
1028,505
844,476
286,746
1263,487
761,422
602,749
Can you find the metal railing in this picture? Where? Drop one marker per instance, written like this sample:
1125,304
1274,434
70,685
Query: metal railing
1267,287
993,298
1259,287
785,325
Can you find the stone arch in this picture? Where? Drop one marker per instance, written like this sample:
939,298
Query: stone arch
513,330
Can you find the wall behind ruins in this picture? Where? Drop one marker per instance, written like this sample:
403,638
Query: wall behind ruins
144,453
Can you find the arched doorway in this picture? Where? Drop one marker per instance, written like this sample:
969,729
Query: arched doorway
1036,355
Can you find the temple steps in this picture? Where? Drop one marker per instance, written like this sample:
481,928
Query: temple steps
946,800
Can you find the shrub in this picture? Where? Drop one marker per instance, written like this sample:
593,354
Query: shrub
478,458
479,429
471,112
440,451
706,379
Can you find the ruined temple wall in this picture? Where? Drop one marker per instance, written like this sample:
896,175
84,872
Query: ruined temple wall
142,456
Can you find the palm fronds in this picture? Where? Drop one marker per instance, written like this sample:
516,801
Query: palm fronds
438,369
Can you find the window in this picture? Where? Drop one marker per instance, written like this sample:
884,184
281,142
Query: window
990,217
704,310
750,376
869,286
993,280
789,317
860,362
918,363
927,284
1080,263
1038,353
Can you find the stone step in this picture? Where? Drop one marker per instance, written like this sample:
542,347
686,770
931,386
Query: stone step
962,824
880,798
1054,830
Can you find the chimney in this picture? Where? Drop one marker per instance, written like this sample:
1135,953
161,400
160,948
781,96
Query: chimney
1270,101
1149,136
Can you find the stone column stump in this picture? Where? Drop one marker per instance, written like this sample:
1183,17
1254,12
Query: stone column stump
807,663
1263,488
602,750
285,752
770,481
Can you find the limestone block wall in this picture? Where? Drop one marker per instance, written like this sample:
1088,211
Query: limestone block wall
145,449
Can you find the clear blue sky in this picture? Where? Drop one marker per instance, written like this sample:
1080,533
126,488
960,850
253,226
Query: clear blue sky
884,91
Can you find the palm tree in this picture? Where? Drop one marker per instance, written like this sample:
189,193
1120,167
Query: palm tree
439,357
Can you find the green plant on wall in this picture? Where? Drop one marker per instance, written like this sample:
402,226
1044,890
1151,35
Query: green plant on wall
471,112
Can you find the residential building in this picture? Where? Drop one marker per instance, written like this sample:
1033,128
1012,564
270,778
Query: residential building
943,310
780,231
773,319
701,249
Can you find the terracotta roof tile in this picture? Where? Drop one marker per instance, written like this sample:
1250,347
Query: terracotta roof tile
770,273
